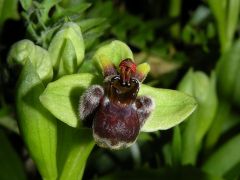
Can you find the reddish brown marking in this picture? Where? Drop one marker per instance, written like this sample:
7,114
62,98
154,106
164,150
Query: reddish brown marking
128,64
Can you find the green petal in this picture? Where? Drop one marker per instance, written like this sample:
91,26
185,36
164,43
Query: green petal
61,97
171,108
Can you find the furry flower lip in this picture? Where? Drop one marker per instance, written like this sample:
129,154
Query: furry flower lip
115,111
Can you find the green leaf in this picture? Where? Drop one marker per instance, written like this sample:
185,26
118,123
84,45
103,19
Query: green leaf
232,19
8,9
92,35
228,73
69,10
26,4
10,164
25,50
176,148
203,89
225,158
74,147
171,108
87,24
61,97
221,117
6,119
37,126
67,49
10,123
113,52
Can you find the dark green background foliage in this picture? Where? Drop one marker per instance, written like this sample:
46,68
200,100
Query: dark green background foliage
191,46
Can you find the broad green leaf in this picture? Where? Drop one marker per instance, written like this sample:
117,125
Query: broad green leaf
203,89
61,97
8,9
74,147
113,52
25,50
10,164
171,108
37,126
224,159
67,49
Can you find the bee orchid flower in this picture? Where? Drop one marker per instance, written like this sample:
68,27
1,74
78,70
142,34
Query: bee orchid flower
116,104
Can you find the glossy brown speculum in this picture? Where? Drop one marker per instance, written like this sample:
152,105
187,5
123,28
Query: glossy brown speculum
119,93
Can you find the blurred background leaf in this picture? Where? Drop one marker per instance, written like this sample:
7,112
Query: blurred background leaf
11,166
8,10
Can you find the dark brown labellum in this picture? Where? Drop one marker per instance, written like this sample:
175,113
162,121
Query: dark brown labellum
117,113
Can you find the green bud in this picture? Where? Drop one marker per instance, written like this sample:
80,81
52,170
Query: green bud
67,49
26,50
203,89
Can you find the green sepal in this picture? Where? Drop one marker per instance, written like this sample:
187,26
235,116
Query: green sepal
171,108
61,97
111,54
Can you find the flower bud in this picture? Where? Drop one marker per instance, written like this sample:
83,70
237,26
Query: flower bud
67,49
26,50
